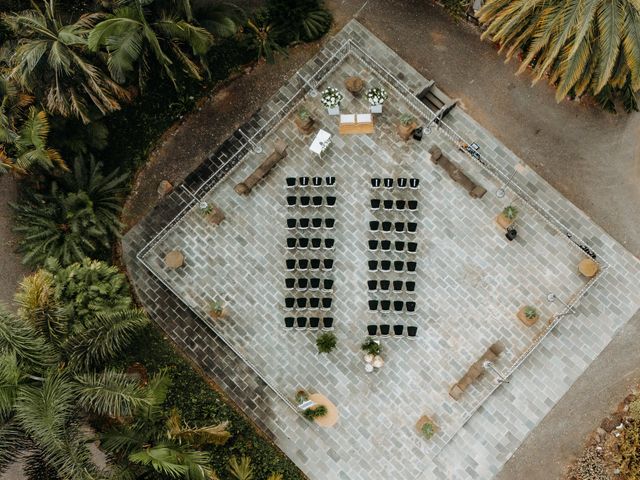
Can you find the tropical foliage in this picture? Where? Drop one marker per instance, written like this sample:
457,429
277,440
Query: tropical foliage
141,31
296,20
48,382
77,217
580,46
151,443
52,60
88,288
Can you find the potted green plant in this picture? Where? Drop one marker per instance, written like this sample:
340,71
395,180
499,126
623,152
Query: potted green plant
211,213
371,349
326,342
507,216
301,397
216,309
376,97
528,315
407,125
303,120
426,427
331,98
312,413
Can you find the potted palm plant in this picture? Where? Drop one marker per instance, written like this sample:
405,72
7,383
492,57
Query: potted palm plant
528,315
507,216
331,98
426,427
376,97
211,213
303,120
371,349
326,342
406,126
216,309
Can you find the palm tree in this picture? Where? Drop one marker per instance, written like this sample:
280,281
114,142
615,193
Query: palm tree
136,33
582,46
69,225
151,445
52,60
241,469
43,399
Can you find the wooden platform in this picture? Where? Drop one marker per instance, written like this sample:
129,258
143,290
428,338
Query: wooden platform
355,128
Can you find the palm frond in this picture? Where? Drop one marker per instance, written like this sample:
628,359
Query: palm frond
29,346
104,339
197,436
241,469
110,393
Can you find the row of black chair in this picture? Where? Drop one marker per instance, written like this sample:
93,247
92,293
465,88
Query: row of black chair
401,183
398,266
313,323
312,244
400,205
314,223
314,181
311,284
385,286
398,227
384,330
399,306
308,201
399,246
303,303
312,264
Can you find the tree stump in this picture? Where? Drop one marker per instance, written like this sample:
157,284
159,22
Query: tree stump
354,85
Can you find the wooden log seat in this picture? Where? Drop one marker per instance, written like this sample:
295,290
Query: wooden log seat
476,370
280,151
475,191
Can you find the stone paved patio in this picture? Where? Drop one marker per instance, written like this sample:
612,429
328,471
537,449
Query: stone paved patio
470,283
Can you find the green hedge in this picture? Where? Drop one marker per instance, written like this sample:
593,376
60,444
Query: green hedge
199,404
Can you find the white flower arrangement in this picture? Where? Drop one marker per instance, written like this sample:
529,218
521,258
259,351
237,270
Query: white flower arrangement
377,95
331,97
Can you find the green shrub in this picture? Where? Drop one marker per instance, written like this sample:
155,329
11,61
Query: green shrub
634,409
630,451
530,312
198,403
89,287
510,212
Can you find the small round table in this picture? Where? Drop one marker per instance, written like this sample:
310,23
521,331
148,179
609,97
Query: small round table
174,259
331,418
588,267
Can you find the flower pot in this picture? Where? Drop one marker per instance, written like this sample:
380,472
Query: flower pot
215,216
422,421
376,108
405,131
524,319
333,110
217,313
354,85
304,125
503,221
377,362
368,358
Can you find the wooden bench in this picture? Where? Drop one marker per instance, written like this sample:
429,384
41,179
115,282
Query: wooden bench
475,191
476,370
353,124
244,188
